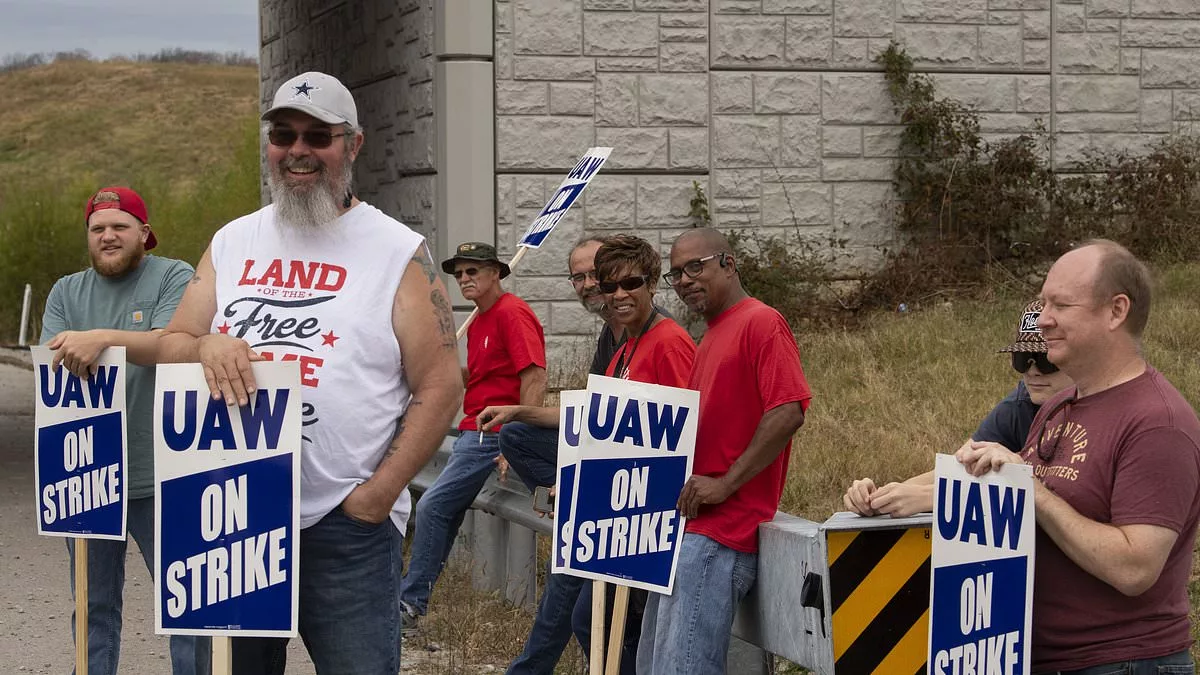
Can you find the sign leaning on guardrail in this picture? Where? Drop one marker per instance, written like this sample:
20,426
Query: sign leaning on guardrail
80,448
981,596
227,517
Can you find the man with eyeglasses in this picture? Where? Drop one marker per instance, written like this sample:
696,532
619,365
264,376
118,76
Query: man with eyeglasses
1117,495
354,297
506,365
753,397
1007,424
125,299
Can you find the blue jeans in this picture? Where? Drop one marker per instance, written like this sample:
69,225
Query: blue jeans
440,513
687,632
532,452
581,623
349,602
106,585
1173,664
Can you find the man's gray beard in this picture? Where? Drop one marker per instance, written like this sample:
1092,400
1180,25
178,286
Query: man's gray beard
309,209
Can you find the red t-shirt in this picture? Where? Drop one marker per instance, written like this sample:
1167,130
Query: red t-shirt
663,355
1127,455
501,342
747,364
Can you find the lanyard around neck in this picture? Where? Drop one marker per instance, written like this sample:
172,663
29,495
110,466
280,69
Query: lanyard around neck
621,364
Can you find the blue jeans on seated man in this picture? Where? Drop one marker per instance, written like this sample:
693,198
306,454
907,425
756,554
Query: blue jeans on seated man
106,584
349,602
1173,664
440,512
687,632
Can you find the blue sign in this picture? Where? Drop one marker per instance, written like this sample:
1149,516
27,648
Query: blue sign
981,591
635,447
566,194
227,514
80,448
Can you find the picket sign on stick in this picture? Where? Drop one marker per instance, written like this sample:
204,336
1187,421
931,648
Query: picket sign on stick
568,191
596,662
81,607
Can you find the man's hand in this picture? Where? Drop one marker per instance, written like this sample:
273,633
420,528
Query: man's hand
980,457
78,351
495,415
502,465
702,490
226,362
367,504
858,497
900,500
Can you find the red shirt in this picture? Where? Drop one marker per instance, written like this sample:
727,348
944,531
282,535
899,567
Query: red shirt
1127,455
662,355
747,364
501,342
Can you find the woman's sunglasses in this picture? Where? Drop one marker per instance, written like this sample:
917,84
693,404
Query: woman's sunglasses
1022,360
318,138
626,284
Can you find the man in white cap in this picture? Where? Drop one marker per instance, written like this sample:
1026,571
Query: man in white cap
311,278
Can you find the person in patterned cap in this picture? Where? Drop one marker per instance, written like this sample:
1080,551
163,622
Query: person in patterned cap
125,299
1007,424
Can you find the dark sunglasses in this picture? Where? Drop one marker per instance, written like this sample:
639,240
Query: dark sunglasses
1063,406
470,272
626,284
318,138
1022,360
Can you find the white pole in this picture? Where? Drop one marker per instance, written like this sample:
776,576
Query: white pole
25,315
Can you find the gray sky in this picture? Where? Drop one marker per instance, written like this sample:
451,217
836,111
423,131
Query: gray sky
107,27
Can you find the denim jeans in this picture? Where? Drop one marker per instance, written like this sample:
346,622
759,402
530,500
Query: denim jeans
349,602
106,584
1173,664
532,452
687,632
440,513
581,623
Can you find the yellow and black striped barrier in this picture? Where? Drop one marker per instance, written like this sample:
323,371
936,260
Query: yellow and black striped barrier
879,598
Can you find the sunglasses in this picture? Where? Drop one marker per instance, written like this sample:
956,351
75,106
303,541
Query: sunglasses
1022,360
626,284
470,272
317,138
580,277
692,268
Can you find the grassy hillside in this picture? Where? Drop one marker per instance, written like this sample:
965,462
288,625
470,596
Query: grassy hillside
185,136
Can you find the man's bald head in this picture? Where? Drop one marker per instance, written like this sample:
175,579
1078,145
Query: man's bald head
1119,272
708,236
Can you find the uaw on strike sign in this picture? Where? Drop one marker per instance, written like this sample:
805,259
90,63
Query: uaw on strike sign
228,511
80,447
981,606
625,451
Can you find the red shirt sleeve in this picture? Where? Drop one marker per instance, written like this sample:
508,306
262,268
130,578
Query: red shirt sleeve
780,376
523,338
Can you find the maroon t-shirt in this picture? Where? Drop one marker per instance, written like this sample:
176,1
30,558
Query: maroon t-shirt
1127,455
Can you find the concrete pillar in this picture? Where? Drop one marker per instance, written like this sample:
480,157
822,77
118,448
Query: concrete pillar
465,106
520,586
746,659
489,557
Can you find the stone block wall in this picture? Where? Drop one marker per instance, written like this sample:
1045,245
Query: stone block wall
776,108
382,51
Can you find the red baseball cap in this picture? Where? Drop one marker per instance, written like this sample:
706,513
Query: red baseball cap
124,199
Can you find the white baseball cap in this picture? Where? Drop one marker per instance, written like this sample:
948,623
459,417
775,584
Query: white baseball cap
316,94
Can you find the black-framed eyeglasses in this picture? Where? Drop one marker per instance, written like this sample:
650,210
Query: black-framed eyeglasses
626,284
1022,360
580,277
1063,406
318,138
469,271
692,268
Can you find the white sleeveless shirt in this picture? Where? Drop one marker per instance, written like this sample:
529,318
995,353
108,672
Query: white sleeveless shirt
323,297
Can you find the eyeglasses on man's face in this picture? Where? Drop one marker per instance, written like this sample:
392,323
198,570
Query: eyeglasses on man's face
317,138
692,268
579,278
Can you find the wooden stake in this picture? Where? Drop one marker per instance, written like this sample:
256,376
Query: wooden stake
599,589
512,265
616,637
81,606
222,655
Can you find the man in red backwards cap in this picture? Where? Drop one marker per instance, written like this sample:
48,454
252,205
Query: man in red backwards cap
125,299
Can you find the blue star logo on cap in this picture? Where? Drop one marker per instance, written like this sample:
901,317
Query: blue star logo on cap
304,89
